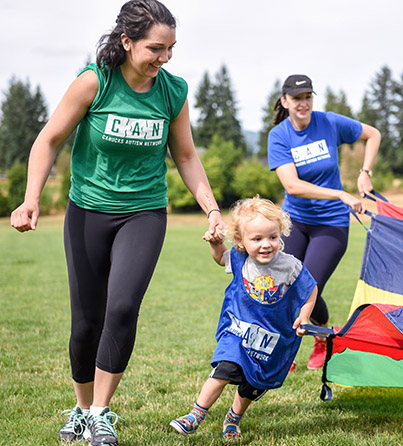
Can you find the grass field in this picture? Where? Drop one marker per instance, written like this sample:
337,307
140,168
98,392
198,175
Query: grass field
172,353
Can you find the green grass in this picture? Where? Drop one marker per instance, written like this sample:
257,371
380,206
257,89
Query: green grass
171,357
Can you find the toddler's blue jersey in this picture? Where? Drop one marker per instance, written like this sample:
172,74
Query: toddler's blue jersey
257,336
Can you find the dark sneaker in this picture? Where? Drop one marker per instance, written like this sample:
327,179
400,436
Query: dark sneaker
73,428
100,431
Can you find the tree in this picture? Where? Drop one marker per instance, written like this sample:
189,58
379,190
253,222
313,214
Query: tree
268,117
367,114
337,103
218,111
205,127
252,178
380,109
220,162
17,177
24,113
398,103
178,194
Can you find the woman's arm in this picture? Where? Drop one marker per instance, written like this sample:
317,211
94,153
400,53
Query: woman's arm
288,176
372,136
191,170
65,118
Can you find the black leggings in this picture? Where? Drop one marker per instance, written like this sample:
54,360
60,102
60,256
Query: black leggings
110,262
321,249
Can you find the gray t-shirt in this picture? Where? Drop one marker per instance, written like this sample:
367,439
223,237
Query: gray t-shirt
282,271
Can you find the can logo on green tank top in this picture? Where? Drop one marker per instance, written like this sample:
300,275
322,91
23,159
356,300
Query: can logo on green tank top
132,129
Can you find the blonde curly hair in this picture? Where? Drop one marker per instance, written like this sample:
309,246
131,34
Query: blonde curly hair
247,209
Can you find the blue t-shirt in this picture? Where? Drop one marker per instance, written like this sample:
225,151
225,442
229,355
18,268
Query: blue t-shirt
314,151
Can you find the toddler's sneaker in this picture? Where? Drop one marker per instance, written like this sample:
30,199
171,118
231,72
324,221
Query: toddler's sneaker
318,356
73,428
189,423
231,430
100,431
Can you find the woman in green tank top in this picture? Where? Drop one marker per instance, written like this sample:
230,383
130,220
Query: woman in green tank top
128,110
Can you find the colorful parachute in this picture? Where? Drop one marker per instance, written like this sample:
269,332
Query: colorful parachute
381,278
368,350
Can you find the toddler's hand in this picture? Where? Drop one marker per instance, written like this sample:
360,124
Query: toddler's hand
215,238
297,324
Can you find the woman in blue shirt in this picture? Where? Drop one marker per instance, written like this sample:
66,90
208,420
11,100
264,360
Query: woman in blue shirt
303,150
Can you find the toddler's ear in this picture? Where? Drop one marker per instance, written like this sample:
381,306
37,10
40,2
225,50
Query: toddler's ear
239,243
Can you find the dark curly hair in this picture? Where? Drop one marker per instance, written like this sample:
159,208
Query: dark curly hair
135,20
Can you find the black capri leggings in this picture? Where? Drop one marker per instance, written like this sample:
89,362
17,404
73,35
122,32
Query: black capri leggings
320,248
110,262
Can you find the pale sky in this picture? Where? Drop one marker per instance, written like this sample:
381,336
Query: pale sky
341,44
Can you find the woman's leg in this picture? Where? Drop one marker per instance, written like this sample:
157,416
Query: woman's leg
320,248
297,242
134,255
88,238
326,248
110,260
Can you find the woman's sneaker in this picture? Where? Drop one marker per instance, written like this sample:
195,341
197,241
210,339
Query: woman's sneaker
73,428
100,431
318,356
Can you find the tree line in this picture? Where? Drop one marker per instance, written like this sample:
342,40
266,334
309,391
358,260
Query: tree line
234,169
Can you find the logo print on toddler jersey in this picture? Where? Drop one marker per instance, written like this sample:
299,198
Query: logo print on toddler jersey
256,340
263,290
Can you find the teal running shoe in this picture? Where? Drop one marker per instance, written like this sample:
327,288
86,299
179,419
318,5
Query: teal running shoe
74,427
100,431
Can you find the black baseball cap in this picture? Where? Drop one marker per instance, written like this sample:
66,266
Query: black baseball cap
297,84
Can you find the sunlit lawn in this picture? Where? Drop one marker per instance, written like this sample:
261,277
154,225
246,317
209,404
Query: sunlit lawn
172,354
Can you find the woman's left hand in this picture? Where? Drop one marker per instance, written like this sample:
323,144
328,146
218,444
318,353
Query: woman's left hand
364,184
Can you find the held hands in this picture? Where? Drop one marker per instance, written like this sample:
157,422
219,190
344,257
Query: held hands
216,237
215,233
25,217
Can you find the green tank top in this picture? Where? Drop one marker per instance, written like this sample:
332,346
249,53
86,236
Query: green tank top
118,158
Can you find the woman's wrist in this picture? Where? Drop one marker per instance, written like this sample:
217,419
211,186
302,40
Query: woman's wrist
366,171
213,210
